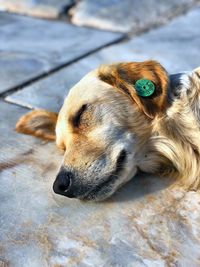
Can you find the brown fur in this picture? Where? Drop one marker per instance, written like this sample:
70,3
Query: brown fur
123,76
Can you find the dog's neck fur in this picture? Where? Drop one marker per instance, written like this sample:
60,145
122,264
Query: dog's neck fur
174,146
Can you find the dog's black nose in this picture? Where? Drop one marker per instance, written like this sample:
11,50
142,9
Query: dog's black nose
63,183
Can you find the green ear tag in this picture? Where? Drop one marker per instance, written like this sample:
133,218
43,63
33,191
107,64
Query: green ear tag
144,87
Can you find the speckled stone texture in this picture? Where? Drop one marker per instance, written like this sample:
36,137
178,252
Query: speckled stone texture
128,15
175,45
148,223
39,8
31,47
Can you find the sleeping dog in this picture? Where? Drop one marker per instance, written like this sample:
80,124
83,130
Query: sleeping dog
120,119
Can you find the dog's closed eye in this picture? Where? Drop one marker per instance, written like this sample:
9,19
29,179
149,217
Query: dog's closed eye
77,118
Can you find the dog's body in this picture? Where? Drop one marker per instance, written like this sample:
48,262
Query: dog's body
108,132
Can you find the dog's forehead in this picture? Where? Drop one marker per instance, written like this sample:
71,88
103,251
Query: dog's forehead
87,90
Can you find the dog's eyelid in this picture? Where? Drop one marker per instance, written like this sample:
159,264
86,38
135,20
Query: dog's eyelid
77,117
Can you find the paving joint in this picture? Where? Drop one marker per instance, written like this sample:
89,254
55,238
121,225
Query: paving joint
65,13
54,70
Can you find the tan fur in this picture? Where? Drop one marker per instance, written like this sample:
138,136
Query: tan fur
164,133
174,145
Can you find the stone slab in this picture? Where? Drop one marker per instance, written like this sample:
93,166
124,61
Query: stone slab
175,45
31,47
145,224
39,8
129,15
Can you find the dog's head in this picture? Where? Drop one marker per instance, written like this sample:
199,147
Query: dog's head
103,127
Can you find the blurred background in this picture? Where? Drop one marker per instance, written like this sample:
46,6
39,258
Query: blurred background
46,46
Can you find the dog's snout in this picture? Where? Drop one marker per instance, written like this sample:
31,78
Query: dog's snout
63,183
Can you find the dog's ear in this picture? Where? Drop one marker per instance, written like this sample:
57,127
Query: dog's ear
130,77
39,123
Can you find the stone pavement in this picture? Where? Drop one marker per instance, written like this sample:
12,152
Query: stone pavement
39,46
113,15
129,15
146,223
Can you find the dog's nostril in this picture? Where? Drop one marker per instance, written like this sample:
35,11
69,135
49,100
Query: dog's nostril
65,185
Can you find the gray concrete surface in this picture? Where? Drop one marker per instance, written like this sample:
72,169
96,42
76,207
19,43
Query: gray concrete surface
175,45
31,47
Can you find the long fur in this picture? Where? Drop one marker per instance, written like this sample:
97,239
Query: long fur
176,135
166,127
